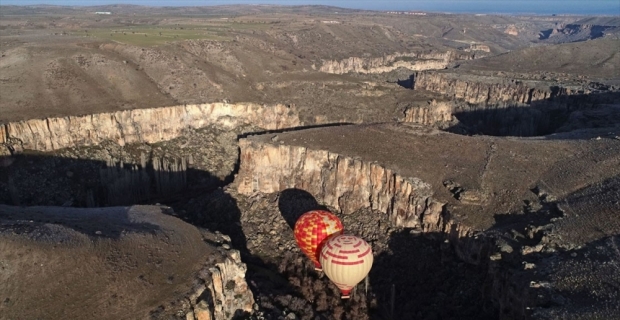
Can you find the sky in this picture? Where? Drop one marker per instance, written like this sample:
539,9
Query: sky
607,7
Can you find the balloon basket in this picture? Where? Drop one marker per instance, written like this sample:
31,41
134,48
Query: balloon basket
345,297
318,269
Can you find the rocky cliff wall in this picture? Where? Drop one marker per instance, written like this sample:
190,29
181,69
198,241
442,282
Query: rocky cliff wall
140,125
344,183
434,113
411,61
501,119
487,90
221,291
503,107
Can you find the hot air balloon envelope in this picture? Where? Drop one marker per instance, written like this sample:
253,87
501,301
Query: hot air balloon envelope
312,229
346,261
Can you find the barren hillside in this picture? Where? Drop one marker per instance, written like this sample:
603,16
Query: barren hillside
154,161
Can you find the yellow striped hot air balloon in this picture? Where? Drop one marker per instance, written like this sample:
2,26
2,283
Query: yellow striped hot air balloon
312,229
346,261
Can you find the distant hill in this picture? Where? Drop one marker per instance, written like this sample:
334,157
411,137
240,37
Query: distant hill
598,58
194,10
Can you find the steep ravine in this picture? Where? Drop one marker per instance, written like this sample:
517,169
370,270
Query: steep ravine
502,106
352,185
427,191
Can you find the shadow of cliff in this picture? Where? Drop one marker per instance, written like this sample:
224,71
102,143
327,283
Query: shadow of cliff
539,118
407,83
420,277
39,179
313,126
292,203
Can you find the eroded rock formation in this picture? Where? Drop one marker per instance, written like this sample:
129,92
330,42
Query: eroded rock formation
434,113
342,182
224,293
487,90
412,61
507,107
512,30
139,125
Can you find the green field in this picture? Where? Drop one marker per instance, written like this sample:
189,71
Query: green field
157,35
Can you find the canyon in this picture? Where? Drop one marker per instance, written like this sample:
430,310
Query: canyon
166,159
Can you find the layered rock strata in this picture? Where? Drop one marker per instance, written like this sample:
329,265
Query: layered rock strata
504,107
487,90
433,113
412,61
139,125
342,182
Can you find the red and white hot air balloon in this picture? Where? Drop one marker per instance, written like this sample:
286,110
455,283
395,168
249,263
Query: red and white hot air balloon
312,229
346,261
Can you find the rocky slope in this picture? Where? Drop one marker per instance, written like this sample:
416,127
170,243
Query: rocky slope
116,257
595,60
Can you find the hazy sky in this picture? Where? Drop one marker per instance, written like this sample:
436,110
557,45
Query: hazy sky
610,7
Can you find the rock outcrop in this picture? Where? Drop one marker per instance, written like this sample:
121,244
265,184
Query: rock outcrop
342,182
412,61
512,30
140,125
224,293
434,113
487,90
478,47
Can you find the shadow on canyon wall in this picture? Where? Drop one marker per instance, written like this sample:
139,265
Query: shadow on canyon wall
35,179
559,113
418,276
292,203
577,32
540,118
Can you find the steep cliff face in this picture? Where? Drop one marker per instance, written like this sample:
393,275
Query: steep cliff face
222,291
488,90
344,183
504,107
140,125
411,61
433,113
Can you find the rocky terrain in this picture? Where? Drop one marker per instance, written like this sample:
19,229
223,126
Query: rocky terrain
155,160
117,262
